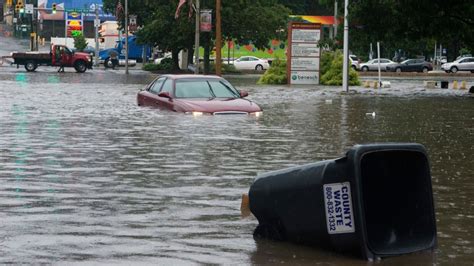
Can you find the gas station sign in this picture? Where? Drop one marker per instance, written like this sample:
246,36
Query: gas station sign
74,24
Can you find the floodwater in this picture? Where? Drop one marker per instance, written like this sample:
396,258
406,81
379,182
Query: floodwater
87,176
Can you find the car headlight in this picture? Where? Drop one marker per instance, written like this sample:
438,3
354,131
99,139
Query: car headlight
257,114
195,113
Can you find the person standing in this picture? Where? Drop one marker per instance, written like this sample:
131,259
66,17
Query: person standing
113,58
62,59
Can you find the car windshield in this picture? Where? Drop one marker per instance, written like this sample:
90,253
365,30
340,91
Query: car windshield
193,88
407,61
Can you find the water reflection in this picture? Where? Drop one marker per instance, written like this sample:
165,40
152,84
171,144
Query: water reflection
88,176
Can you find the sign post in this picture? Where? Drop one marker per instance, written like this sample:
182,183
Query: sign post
303,54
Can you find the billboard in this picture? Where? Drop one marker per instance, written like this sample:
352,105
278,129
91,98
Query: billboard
85,6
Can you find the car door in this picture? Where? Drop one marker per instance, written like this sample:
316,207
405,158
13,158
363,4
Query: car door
464,64
373,65
410,65
242,63
470,64
149,97
165,102
384,63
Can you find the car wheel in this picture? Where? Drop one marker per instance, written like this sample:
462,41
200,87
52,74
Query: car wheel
365,69
454,69
354,67
258,67
30,66
425,70
80,66
398,70
108,63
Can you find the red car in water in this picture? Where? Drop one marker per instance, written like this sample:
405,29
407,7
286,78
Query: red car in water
196,94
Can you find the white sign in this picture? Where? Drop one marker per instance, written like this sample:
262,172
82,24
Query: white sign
306,35
304,49
305,63
28,8
96,22
304,77
338,203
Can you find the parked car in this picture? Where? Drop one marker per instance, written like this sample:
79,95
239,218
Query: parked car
250,62
158,60
373,65
354,62
411,65
196,94
462,64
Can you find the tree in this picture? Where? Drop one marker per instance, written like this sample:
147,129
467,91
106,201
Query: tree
243,21
80,42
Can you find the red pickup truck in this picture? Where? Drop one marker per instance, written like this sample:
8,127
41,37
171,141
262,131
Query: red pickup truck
58,55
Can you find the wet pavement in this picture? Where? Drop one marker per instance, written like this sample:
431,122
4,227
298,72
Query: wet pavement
87,176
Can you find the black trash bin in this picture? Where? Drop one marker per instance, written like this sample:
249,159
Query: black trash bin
444,84
375,202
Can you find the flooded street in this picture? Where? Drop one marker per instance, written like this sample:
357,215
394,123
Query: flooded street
87,176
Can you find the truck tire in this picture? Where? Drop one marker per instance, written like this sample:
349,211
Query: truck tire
80,66
108,63
30,66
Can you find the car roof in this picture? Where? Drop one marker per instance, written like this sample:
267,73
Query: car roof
188,76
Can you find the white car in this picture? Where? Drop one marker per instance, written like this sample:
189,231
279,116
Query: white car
354,62
373,65
251,62
462,64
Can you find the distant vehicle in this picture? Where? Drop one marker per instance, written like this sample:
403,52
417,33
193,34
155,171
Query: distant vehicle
411,65
462,64
354,61
58,55
89,49
373,65
250,62
158,60
442,59
135,51
197,95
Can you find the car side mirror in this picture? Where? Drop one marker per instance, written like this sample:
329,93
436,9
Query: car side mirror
244,94
164,94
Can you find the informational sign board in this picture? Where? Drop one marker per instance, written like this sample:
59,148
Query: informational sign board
74,24
29,9
303,54
206,20
338,205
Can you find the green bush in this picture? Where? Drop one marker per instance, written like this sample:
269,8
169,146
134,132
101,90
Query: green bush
331,73
165,65
276,74
225,68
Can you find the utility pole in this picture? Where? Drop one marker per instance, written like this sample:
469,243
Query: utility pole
218,38
126,37
345,67
335,19
96,26
196,39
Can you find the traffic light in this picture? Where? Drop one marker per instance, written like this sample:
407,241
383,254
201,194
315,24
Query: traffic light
54,8
20,7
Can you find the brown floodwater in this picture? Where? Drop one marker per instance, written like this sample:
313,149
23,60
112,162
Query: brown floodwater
87,176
